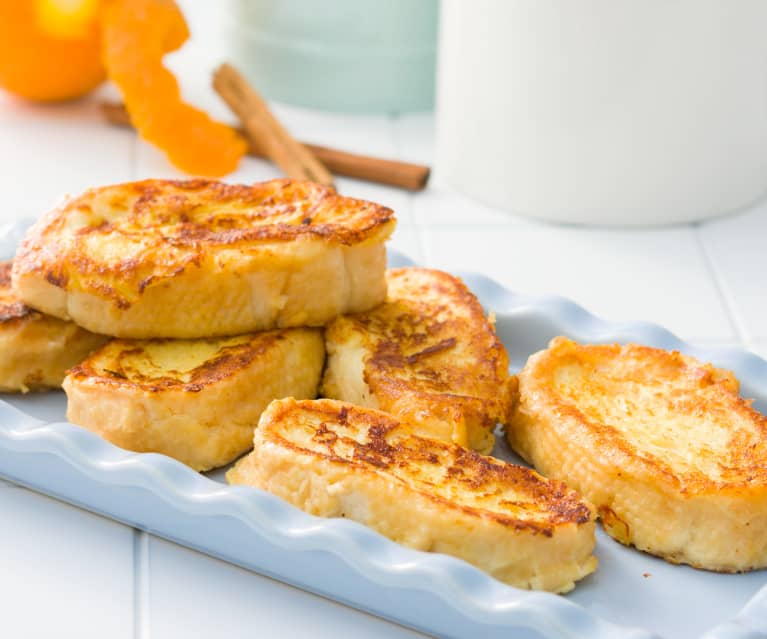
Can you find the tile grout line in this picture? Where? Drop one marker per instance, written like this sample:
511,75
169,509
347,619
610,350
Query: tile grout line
721,288
140,584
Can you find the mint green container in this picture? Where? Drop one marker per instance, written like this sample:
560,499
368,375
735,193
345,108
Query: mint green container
339,55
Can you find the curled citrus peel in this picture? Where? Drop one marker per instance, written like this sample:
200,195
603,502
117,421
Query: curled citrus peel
136,34
52,50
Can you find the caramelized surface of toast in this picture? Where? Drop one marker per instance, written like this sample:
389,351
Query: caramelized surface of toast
662,443
200,258
335,459
11,307
428,355
195,400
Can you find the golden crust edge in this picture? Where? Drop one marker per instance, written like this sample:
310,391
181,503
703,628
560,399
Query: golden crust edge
573,533
631,474
128,416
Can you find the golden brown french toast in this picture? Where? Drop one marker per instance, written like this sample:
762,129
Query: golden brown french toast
195,400
661,443
36,349
428,356
334,459
200,258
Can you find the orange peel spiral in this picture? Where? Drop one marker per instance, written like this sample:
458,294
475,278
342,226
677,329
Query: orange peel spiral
136,34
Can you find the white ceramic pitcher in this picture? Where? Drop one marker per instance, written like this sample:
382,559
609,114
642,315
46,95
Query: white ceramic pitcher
621,112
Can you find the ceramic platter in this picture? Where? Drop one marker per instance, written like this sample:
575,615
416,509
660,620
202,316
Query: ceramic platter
631,595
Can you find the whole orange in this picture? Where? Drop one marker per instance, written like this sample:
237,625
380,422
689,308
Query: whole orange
50,50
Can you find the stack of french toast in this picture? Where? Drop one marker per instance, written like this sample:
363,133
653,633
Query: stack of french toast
203,321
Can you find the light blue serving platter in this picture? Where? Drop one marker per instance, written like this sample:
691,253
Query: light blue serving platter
631,596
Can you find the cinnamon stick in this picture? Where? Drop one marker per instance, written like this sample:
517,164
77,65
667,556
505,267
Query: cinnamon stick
262,128
405,175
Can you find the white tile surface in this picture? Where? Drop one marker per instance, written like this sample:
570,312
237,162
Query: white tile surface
44,155
660,276
191,595
66,572
437,206
414,134
408,241
736,246
366,134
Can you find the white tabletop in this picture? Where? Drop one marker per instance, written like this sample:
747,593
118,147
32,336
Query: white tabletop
71,573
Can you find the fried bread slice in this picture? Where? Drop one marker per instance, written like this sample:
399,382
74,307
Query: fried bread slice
36,349
199,258
427,356
334,459
661,443
195,400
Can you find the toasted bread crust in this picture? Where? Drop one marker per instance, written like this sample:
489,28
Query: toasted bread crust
11,307
673,458
428,355
195,400
36,349
112,365
199,258
335,459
